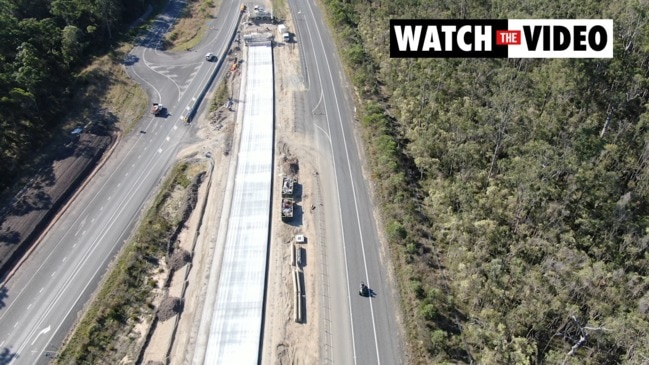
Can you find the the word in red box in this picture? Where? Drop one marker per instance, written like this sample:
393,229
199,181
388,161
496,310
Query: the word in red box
507,37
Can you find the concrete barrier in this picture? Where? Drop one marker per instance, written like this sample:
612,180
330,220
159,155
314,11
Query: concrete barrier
297,308
299,257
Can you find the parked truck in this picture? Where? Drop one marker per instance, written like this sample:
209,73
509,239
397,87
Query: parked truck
287,186
283,32
156,109
287,209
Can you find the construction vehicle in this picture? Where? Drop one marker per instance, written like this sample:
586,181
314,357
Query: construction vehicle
156,109
287,186
287,209
283,32
243,8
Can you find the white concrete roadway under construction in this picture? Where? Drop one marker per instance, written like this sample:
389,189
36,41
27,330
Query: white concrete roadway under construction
235,327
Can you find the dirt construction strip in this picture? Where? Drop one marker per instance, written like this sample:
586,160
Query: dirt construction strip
285,341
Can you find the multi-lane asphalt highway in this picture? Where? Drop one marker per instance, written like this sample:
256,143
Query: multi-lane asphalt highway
44,296
358,330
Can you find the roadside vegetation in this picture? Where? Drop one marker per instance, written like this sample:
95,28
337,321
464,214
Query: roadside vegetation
115,323
221,96
61,67
514,193
107,333
279,9
57,71
191,25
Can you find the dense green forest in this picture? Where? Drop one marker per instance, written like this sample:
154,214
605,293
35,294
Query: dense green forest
515,192
42,44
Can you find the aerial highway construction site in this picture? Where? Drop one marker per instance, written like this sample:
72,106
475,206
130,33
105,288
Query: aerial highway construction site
255,267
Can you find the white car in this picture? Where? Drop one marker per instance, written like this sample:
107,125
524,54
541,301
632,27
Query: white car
210,57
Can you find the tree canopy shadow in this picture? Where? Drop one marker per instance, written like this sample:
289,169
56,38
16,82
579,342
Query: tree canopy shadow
29,202
296,221
297,192
6,356
9,236
3,296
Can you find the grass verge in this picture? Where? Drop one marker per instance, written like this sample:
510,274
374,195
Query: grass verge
192,25
106,92
220,96
279,9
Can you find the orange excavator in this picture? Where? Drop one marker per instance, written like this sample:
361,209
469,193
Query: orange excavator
235,65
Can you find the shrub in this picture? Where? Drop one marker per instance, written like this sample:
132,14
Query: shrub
396,231
417,288
428,311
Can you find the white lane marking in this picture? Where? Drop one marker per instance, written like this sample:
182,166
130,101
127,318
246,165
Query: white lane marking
324,132
92,246
42,332
149,66
358,220
75,245
342,227
319,101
